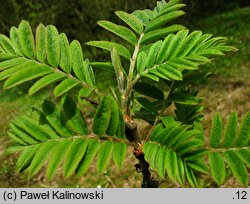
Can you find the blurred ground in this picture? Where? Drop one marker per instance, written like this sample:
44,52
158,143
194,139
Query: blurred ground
227,90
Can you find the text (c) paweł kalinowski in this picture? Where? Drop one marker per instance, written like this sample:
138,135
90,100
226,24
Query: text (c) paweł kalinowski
61,195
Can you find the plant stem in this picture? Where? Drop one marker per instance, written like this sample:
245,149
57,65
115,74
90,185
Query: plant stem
130,81
142,166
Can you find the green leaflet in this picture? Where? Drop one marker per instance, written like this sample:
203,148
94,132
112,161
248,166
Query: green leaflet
158,128
162,54
161,20
84,92
53,116
189,43
117,65
121,126
150,76
104,156
171,165
216,132
190,176
15,138
198,166
26,39
183,64
147,105
11,62
102,116
175,44
160,162
31,128
15,41
237,167
12,70
163,135
65,86
141,62
6,44
147,147
73,156
195,154
230,130
160,33
182,98
41,43
152,155
53,46
244,132
152,53
93,147
217,167
181,172
103,65
121,31
65,60
142,16
6,56
21,135
46,81
211,42
40,157
158,74
119,154
149,90
123,51
114,118
90,77
188,146
170,7
77,60
73,117
169,72
244,155
26,157
176,136
27,74
56,158
199,43
131,20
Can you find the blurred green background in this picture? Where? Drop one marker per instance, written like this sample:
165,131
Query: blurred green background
227,90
